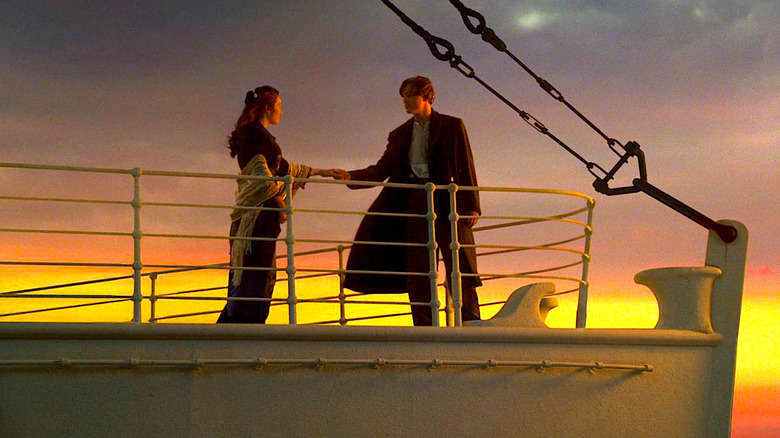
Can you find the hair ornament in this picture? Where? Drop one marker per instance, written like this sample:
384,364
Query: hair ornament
250,97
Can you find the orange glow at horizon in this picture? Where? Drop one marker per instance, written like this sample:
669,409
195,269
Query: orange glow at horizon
608,307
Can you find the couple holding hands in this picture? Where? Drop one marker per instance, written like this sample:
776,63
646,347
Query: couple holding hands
429,147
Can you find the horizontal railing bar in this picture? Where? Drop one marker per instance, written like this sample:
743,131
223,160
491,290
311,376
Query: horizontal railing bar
66,168
189,269
84,264
529,247
326,322
281,179
281,239
360,318
76,200
528,221
388,315
65,297
560,242
370,183
211,175
534,218
312,252
71,232
350,242
323,271
226,207
221,267
376,363
538,271
259,177
184,315
522,220
508,251
492,303
296,210
542,277
306,277
356,271
564,292
214,237
526,190
59,286
74,306
324,301
250,299
182,292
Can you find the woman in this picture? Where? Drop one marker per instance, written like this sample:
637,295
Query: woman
258,154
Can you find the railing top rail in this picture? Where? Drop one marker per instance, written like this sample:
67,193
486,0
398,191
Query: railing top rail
153,270
315,180
66,168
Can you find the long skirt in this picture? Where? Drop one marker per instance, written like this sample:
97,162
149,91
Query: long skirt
254,283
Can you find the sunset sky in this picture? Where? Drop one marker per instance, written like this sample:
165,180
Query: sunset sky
158,85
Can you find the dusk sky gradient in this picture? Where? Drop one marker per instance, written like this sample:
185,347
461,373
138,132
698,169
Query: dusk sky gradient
159,85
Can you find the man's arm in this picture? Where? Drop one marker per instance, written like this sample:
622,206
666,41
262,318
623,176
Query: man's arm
376,172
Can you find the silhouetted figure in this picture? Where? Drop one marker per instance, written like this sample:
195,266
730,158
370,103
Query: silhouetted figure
429,147
258,154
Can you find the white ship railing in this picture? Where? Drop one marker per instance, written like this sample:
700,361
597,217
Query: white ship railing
572,217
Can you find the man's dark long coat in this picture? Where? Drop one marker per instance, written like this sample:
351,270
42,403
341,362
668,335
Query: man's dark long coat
449,160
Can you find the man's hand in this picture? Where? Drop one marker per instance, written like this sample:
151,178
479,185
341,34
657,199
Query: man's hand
339,174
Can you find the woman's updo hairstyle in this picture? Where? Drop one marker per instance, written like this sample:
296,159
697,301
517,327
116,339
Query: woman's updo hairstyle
262,97
256,103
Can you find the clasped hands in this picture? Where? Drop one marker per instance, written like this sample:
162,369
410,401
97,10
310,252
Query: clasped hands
339,174
343,175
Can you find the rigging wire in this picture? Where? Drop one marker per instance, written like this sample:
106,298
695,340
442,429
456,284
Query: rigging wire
489,36
443,50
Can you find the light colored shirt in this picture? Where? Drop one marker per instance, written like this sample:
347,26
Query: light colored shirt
418,151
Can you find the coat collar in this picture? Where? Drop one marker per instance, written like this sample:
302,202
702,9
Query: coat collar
433,128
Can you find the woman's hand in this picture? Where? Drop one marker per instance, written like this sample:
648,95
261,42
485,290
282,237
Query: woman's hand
340,174
278,202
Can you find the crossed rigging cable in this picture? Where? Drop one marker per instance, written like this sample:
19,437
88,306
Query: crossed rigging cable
444,50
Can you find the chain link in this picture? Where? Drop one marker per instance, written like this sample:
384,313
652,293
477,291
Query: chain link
456,62
631,149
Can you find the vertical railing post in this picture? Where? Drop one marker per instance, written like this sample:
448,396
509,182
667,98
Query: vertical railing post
582,301
292,301
455,283
342,295
432,262
153,298
137,264
450,314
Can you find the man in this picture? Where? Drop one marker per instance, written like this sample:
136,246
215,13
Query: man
429,147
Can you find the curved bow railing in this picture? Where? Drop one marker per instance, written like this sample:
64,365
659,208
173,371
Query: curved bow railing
311,268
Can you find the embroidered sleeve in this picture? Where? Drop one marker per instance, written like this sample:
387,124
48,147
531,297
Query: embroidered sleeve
298,171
